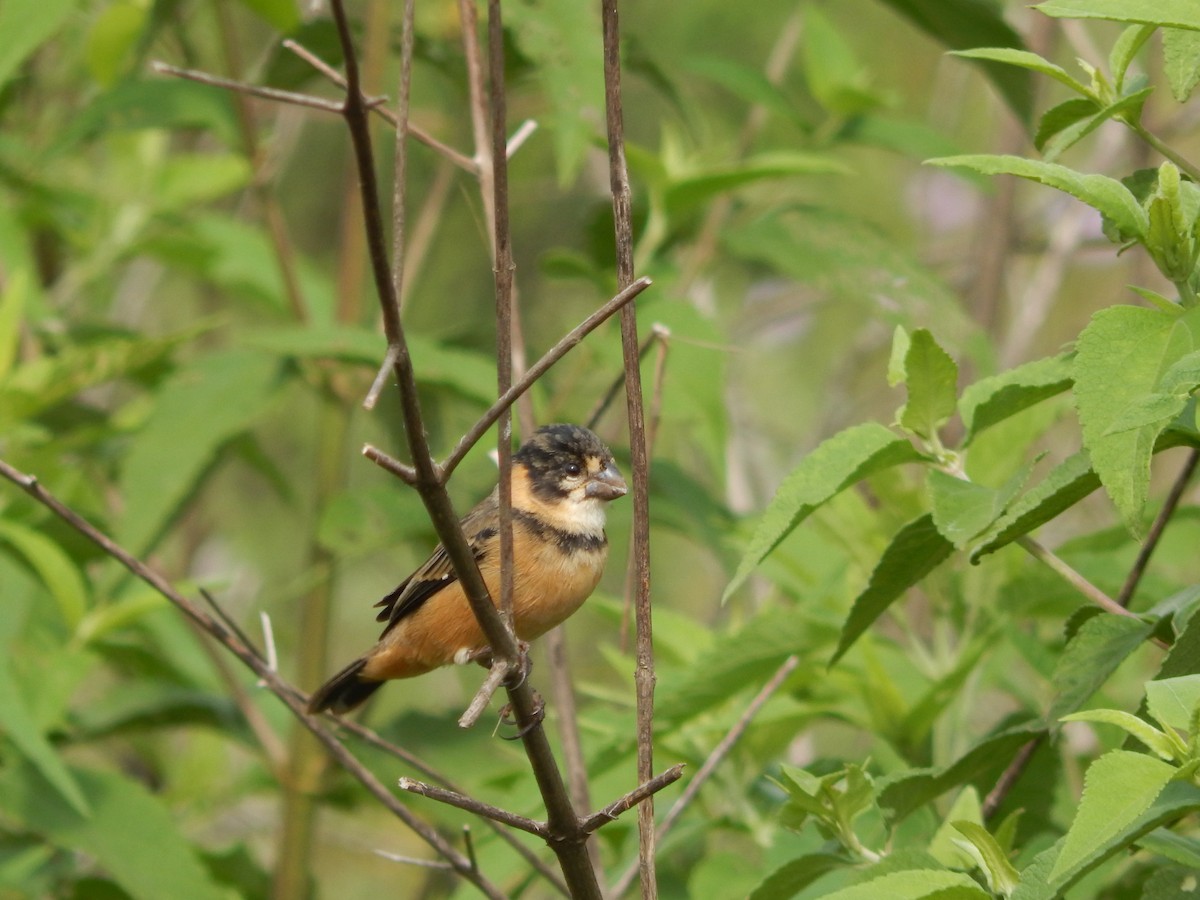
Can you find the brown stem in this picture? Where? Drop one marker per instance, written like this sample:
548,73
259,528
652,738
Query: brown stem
640,794
1157,529
640,462
278,96
470,804
1010,776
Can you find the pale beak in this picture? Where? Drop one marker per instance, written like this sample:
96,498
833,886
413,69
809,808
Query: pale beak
607,484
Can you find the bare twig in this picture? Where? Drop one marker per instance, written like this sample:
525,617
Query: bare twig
291,698
483,696
519,137
623,227
715,758
470,804
640,794
1157,529
403,471
413,861
389,360
538,369
391,118
291,97
1010,776
657,333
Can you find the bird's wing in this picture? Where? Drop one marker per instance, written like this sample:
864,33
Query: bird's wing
480,527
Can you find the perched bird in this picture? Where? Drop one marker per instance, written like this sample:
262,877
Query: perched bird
561,478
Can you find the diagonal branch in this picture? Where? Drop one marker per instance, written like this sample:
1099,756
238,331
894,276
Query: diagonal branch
252,660
639,794
470,804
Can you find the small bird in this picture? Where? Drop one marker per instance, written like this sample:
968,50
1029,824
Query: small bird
561,478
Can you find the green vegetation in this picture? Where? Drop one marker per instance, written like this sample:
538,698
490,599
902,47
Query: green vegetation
923,436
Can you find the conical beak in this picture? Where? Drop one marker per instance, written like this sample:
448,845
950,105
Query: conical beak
607,484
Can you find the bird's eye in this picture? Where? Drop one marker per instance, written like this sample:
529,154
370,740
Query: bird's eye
572,469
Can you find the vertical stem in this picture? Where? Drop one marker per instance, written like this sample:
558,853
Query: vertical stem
623,225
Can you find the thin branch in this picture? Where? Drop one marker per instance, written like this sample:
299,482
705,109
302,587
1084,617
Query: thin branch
291,698
641,793
553,355
391,118
377,386
290,97
478,807
413,861
483,696
715,758
657,333
1010,776
623,227
519,137
403,471
1157,529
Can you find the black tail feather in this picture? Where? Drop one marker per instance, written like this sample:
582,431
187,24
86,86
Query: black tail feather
344,691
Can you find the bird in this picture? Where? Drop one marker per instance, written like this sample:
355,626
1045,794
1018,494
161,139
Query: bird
562,478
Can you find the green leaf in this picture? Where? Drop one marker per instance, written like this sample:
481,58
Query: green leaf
1059,118
1001,875
113,36
1118,788
1158,741
913,885
130,834
838,462
1180,848
53,566
1026,60
1181,55
1173,701
563,38
998,397
195,413
1125,48
744,81
26,25
703,186
1174,13
1107,195
915,551
962,509
931,377
1150,409
795,875
155,103
14,295
1175,801
1121,355
1128,108
834,75
975,23
188,179
1092,654
19,726
913,789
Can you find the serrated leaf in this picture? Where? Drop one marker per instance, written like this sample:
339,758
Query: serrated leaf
1068,483
914,885
998,397
1001,875
838,462
1174,13
931,377
1181,55
1156,740
795,875
1026,60
1128,107
915,551
962,509
1151,409
194,415
19,726
914,788
1173,701
130,833
1064,115
1092,654
1125,49
1118,788
1107,195
1136,346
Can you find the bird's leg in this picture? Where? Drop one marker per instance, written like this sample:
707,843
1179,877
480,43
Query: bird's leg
539,713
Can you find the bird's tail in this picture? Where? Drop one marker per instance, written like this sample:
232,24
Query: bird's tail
344,691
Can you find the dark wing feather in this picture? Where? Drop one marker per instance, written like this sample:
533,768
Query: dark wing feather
437,572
